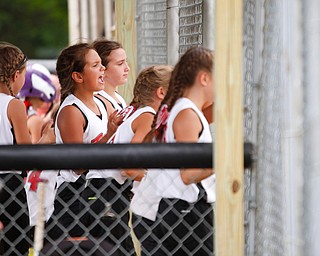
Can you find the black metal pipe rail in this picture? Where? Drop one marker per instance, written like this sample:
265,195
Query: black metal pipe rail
108,156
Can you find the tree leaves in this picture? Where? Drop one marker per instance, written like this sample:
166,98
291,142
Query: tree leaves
39,28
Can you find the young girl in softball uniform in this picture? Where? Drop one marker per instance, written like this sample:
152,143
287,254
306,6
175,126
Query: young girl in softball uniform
37,91
111,191
176,204
14,130
114,58
150,89
81,118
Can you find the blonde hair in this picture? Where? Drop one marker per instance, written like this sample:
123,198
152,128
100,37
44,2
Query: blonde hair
12,59
148,81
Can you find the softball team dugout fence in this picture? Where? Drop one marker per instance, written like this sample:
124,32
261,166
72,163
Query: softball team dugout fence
280,57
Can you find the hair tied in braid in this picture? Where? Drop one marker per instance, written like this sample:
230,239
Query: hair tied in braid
162,116
161,123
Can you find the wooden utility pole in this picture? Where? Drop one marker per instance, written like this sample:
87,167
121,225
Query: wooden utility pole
229,124
126,35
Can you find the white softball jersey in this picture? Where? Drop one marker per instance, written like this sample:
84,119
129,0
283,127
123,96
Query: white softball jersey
109,173
95,130
95,126
167,183
7,136
124,134
113,102
32,192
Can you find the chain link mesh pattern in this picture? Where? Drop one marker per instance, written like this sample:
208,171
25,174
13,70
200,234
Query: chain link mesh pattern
311,81
152,33
190,24
249,71
269,224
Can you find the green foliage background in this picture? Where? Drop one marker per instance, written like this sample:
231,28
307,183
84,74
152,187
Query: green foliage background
38,27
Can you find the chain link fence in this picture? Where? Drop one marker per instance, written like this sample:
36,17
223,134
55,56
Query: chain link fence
269,218
311,117
152,33
250,81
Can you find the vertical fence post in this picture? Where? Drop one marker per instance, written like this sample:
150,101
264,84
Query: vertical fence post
208,23
172,31
93,21
74,21
311,129
126,34
107,4
229,124
84,21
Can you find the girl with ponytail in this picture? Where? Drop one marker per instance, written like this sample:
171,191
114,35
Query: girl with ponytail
172,209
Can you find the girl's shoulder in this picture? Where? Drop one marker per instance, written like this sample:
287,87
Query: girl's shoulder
72,102
69,100
35,120
70,108
184,102
131,112
180,105
145,110
16,104
15,108
17,116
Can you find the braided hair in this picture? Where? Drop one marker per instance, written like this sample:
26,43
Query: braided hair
194,60
147,82
12,59
71,59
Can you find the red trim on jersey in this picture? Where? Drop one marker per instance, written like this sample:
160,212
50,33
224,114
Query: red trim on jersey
97,138
34,180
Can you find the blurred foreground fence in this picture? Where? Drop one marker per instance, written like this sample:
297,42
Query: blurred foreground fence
105,156
67,210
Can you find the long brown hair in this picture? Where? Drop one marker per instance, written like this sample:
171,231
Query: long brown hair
12,59
72,58
104,47
194,60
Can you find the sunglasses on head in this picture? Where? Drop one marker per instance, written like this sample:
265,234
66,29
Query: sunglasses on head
25,59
